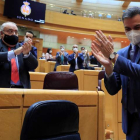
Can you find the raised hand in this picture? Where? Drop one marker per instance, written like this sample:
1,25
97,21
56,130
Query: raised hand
27,47
102,59
104,44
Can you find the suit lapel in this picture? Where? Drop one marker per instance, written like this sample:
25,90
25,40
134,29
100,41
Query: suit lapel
138,56
126,52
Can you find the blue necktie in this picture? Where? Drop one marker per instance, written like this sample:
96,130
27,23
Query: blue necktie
131,102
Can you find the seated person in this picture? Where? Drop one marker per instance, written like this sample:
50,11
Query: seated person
49,54
86,59
75,60
61,57
93,60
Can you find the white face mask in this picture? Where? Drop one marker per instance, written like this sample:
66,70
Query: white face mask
26,39
50,51
75,49
62,49
83,51
134,36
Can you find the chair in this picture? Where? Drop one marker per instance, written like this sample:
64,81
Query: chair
100,77
61,80
51,120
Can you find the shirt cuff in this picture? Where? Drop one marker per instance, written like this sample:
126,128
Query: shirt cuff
11,55
108,76
26,55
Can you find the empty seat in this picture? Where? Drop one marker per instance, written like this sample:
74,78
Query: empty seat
61,80
51,120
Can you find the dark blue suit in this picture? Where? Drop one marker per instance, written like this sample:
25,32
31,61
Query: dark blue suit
33,51
124,71
71,60
58,59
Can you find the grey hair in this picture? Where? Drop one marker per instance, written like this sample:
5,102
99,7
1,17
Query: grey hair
131,12
62,46
7,23
75,45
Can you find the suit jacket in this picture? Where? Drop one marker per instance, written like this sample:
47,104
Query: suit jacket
33,50
71,60
25,64
93,60
124,71
58,59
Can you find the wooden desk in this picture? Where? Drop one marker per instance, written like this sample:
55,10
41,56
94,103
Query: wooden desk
87,79
37,79
15,102
49,66
63,68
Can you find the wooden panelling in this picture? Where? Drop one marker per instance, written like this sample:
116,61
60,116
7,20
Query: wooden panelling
80,22
79,99
10,123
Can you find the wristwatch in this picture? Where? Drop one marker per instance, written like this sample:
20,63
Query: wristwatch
112,55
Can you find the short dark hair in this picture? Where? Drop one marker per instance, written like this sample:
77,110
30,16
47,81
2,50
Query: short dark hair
131,12
49,50
82,48
30,32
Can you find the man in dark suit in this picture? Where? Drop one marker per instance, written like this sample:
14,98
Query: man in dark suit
30,35
15,60
61,57
126,71
75,60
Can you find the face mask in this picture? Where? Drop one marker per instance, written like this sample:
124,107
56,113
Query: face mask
75,49
26,39
62,49
83,51
134,36
10,39
50,51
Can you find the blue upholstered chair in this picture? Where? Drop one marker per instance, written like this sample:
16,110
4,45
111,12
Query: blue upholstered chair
51,120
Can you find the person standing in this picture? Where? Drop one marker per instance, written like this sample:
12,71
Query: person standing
15,60
61,57
126,70
76,59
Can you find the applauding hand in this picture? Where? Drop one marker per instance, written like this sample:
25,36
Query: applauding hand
104,45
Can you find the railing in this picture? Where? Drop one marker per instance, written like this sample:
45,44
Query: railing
88,13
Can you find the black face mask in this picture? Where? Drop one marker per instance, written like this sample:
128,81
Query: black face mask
10,39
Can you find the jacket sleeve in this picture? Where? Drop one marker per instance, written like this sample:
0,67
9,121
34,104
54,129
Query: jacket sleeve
34,51
113,83
80,58
71,59
58,58
3,57
30,62
66,56
126,67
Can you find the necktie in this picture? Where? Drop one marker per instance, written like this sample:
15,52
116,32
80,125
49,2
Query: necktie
131,103
62,59
14,70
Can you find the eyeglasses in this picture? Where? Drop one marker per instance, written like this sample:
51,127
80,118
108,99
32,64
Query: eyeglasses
10,31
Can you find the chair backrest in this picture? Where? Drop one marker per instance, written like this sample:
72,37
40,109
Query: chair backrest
51,120
100,77
61,80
